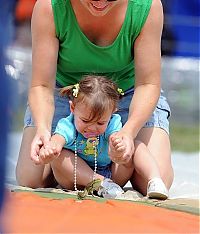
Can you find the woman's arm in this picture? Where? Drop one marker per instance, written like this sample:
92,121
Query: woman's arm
147,56
44,62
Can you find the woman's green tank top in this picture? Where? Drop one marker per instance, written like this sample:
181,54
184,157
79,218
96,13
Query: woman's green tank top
78,56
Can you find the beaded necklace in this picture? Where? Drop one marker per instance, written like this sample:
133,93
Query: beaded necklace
75,161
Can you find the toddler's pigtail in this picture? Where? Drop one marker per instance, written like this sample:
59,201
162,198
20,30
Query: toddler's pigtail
67,91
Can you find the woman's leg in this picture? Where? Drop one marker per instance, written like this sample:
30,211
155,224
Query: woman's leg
157,142
27,173
142,162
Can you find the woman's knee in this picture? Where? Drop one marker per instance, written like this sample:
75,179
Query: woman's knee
29,182
35,176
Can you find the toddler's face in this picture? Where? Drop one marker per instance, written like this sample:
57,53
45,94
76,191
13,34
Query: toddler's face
86,127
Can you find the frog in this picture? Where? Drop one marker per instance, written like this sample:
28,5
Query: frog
94,185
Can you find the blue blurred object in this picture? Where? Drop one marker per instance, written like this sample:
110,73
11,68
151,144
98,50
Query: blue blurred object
181,28
6,31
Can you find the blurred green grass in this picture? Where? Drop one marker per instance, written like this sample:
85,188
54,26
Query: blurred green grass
184,137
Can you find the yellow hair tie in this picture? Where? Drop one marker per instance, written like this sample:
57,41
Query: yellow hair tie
120,91
75,90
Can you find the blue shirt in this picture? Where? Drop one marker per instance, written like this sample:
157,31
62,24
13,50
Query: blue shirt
85,146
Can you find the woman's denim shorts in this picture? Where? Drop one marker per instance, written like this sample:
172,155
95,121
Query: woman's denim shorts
159,118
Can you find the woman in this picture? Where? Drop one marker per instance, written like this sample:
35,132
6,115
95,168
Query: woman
119,39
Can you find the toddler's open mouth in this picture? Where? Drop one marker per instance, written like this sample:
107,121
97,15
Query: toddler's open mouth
90,134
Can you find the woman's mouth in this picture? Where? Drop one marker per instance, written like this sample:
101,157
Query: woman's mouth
99,6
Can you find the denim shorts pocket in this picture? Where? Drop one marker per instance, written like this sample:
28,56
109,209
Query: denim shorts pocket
159,117
164,106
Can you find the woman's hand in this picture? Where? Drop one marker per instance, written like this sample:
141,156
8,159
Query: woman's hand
49,152
46,148
41,138
52,149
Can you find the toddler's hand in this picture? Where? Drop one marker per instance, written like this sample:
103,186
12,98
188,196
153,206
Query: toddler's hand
116,148
121,148
117,144
49,152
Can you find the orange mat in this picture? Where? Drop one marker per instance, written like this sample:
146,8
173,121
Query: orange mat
30,213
